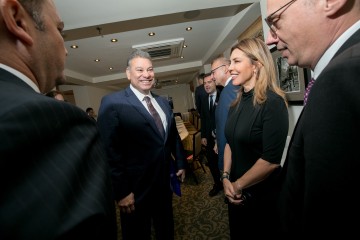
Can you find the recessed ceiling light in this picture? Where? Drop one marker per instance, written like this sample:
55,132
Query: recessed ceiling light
97,60
188,28
74,46
185,46
113,40
110,68
182,57
151,34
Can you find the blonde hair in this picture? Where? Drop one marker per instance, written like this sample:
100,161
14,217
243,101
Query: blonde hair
258,53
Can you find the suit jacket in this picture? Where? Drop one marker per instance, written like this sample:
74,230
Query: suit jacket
200,93
139,156
227,96
321,172
54,177
207,117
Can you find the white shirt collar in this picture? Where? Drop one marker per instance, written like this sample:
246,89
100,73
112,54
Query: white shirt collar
138,94
227,81
331,51
21,76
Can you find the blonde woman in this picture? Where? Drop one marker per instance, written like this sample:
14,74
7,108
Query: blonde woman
256,132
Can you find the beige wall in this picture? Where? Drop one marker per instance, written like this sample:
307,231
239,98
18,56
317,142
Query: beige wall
87,96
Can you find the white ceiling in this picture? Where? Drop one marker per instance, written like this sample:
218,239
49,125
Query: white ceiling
216,28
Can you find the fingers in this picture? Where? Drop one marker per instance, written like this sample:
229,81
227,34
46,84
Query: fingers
127,209
234,201
181,175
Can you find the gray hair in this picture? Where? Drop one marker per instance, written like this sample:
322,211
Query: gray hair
34,9
140,54
222,59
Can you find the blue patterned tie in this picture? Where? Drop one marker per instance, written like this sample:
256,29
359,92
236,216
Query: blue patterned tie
307,91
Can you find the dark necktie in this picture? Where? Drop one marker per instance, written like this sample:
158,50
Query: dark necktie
155,115
307,91
211,103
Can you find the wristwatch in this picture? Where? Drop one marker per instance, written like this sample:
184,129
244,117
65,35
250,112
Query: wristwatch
225,175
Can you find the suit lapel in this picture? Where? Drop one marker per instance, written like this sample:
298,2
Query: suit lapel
165,110
137,104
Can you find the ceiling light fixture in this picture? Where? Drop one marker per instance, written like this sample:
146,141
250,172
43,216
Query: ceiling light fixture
74,46
185,46
182,57
151,34
188,28
97,60
110,68
113,40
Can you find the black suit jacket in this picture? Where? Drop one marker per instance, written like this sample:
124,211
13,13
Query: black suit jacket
139,156
54,178
200,93
208,118
321,173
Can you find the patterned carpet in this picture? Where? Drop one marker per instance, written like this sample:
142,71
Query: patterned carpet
198,216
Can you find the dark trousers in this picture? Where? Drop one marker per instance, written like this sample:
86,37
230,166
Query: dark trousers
212,159
156,209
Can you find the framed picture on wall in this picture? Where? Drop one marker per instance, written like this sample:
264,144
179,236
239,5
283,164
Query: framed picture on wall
291,79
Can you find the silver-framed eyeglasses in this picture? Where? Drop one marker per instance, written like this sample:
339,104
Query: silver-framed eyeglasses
273,18
212,71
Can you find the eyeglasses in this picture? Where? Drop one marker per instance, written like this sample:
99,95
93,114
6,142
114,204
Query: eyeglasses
212,71
271,20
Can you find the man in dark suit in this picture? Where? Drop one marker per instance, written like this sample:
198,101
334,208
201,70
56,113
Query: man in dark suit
91,113
321,171
208,130
222,77
140,144
200,92
54,179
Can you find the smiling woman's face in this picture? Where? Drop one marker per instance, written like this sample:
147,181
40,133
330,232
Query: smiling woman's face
242,69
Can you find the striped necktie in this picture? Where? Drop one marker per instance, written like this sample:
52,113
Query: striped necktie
307,91
155,115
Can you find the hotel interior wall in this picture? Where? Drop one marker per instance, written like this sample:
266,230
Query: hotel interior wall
86,96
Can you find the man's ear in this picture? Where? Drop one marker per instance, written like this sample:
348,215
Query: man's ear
17,21
333,7
128,73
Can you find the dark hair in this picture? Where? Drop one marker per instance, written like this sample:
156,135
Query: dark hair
89,109
34,9
207,74
201,75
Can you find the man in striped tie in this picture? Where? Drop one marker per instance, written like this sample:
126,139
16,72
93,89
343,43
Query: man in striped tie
140,136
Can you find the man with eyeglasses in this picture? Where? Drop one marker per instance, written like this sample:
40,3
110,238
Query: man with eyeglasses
222,77
320,175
